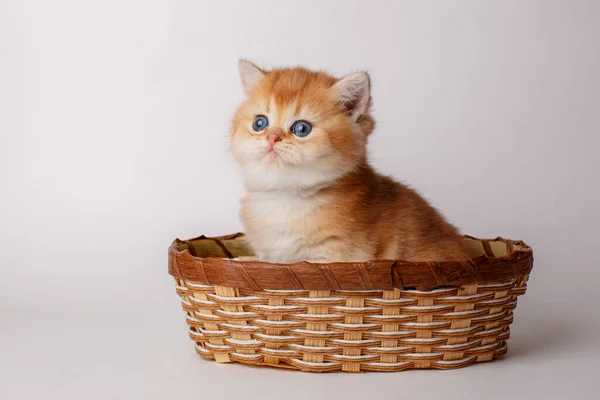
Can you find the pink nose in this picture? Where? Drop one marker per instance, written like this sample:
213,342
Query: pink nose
272,139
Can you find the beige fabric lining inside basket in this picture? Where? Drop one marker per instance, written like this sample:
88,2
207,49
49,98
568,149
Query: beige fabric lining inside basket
241,251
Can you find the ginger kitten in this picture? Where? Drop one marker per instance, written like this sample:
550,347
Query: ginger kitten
300,138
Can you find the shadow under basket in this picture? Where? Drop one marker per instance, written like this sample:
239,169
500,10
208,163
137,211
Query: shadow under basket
384,315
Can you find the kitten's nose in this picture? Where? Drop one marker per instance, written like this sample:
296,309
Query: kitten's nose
272,138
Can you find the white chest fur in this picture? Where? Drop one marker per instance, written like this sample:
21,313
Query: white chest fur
279,223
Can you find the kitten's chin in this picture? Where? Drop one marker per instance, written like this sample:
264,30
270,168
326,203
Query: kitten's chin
276,175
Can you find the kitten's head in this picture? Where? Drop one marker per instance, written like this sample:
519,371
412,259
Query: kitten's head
298,128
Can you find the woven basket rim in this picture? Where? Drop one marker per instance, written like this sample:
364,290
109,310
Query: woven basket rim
369,275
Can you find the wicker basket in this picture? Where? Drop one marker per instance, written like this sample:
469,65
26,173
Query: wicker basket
373,316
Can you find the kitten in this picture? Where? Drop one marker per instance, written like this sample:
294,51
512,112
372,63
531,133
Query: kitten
300,138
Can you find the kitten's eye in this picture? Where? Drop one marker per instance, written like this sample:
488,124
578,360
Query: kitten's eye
301,128
260,123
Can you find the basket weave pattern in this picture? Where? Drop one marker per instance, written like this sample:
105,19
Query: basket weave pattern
353,330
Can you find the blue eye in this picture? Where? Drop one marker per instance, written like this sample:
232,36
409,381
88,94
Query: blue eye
301,128
260,123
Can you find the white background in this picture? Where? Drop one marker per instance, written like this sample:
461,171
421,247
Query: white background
114,120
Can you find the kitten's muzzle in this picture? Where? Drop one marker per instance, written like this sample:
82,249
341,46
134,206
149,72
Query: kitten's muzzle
272,138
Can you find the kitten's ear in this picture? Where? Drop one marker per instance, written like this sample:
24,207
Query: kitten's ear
354,93
250,74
